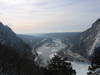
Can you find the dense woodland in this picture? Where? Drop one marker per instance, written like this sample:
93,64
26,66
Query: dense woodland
11,63
59,66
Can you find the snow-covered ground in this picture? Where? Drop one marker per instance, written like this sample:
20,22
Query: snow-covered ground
81,68
48,49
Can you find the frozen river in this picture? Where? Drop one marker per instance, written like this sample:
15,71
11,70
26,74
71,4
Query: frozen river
47,50
81,68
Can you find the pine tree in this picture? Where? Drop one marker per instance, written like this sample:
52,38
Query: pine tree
59,66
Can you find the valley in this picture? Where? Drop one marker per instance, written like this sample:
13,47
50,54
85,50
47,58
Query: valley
39,49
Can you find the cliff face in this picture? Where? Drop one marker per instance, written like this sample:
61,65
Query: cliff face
90,39
85,45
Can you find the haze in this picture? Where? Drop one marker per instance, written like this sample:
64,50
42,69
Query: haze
43,16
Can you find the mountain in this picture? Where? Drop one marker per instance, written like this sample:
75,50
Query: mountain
20,51
16,57
9,38
90,39
32,41
75,45
86,43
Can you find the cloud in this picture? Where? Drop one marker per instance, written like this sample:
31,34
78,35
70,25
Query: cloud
49,15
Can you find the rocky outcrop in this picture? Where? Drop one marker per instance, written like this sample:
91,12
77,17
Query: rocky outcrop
88,40
85,44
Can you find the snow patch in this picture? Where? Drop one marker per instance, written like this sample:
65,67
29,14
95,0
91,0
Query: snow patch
81,68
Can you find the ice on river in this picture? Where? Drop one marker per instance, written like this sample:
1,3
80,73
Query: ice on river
81,68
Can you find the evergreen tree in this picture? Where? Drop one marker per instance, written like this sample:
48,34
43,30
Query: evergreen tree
11,63
59,66
94,68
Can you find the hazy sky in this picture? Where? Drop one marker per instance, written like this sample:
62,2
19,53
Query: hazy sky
36,16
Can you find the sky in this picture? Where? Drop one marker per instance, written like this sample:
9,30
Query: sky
45,16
